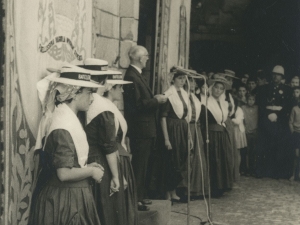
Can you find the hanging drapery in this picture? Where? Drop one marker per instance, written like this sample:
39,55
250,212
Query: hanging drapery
182,53
172,41
161,46
39,34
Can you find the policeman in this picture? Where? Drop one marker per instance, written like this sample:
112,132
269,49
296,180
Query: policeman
275,102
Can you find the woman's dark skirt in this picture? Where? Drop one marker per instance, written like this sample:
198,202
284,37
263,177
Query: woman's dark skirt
131,191
175,159
199,172
69,203
220,159
234,151
111,208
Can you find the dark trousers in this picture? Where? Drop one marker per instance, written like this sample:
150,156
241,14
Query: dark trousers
141,149
274,150
251,154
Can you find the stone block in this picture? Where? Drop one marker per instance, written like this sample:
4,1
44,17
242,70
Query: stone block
159,213
109,25
130,8
107,49
125,46
97,14
129,29
111,6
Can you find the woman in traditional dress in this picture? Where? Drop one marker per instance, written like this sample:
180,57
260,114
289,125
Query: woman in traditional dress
228,96
115,205
104,117
198,176
174,122
219,152
66,197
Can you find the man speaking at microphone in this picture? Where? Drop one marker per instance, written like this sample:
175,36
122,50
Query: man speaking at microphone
140,107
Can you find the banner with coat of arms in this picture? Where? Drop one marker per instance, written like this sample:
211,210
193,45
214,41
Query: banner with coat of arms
40,34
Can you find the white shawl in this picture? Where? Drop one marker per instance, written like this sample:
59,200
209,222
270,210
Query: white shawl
239,119
214,108
197,105
223,97
64,118
177,103
102,104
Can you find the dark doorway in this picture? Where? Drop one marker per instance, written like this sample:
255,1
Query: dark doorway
245,35
146,34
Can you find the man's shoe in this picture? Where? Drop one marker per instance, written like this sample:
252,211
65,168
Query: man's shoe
143,207
146,202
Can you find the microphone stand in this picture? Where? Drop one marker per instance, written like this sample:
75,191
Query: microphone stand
209,221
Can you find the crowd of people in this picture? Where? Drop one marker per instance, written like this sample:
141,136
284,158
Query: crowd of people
95,162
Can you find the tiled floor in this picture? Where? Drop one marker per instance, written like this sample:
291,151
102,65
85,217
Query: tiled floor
251,202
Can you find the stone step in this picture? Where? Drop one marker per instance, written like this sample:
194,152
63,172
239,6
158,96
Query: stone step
159,213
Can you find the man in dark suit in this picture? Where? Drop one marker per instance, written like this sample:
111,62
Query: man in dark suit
140,108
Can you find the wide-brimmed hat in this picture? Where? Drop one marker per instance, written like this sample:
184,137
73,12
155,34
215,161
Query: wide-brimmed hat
58,70
178,73
96,67
117,78
99,71
278,70
230,73
74,75
220,79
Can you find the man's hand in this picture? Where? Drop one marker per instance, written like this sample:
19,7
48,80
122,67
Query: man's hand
272,117
161,98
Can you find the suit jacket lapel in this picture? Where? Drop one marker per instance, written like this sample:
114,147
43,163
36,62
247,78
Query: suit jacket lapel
143,80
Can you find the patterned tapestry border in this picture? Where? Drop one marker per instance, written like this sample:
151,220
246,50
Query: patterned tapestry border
2,13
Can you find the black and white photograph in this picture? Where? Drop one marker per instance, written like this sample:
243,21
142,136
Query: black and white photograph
150,112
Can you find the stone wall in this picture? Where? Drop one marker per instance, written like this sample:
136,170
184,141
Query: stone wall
115,31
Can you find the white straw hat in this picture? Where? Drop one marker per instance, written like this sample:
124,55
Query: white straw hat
219,79
117,78
74,75
99,67
230,73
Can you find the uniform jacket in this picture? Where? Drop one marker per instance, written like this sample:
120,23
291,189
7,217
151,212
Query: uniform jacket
140,107
271,95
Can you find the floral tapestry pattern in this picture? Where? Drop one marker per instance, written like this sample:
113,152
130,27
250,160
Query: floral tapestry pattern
161,75
65,25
